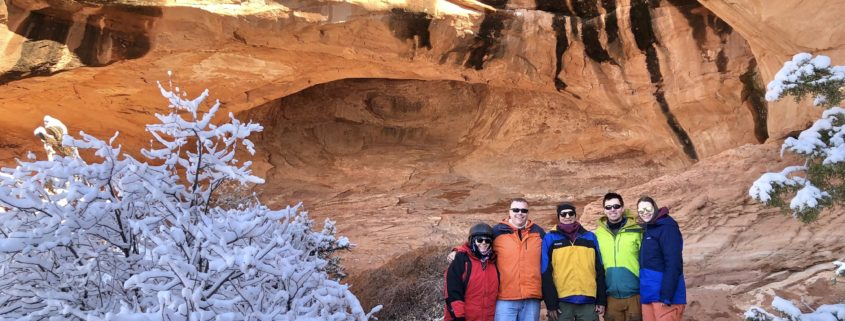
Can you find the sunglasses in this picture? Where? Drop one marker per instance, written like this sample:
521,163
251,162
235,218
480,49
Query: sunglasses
645,210
481,240
517,210
613,207
566,213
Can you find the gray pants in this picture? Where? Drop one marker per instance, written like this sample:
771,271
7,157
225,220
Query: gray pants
577,312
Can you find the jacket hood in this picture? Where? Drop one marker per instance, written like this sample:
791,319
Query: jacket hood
528,224
662,217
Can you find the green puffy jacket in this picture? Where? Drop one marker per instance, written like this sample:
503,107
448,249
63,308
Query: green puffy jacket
620,255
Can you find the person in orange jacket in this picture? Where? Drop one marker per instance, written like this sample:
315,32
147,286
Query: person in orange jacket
517,242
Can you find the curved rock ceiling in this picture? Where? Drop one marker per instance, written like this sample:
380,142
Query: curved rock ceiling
406,121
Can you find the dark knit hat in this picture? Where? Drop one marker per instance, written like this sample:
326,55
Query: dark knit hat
565,206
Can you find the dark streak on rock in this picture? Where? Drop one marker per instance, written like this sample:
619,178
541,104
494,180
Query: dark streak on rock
487,43
588,11
413,26
115,32
573,25
554,6
561,44
754,94
696,21
39,25
611,24
644,36
722,61
722,28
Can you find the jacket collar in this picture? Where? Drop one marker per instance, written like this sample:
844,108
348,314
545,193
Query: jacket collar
527,224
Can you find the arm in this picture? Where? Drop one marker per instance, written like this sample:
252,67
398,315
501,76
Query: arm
549,289
601,286
455,290
671,245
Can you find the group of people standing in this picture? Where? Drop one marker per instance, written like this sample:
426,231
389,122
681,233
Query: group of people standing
629,269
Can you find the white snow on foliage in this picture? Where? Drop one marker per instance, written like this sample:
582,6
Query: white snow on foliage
142,239
802,66
823,142
787,311
764,186
808,196
840,268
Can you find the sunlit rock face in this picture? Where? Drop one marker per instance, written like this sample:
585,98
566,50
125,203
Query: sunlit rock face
666,83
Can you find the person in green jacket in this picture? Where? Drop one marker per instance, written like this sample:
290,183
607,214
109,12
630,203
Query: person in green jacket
619,238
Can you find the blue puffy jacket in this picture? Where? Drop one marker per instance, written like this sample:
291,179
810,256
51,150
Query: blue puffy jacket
661,262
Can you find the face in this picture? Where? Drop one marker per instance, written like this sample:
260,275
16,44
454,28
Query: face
645,211
520,218
613,210
483,243
566,217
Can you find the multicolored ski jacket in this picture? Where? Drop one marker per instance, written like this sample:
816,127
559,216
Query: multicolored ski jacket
620,254
572,271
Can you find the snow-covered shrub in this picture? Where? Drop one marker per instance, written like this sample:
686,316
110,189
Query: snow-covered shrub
126,239
820,181
789,312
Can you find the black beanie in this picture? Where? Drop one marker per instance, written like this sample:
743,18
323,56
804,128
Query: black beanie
565,206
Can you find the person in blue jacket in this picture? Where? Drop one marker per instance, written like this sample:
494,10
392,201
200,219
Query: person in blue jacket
662,287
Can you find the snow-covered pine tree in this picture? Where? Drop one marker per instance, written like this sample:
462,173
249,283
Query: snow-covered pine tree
820,181
126,239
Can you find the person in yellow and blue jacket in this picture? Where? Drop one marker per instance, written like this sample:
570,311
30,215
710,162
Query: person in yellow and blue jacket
573,275
619,238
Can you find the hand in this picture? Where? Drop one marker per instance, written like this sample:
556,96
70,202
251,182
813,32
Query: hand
600,309
552,314
450,257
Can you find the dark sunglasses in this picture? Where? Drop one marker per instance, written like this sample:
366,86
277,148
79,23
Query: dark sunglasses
517,210
480,240
566,213
613,207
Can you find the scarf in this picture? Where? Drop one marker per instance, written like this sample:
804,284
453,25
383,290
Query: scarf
571,230
481,256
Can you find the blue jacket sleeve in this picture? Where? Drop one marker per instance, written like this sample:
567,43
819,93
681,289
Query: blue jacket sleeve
671,245
601,286
548,282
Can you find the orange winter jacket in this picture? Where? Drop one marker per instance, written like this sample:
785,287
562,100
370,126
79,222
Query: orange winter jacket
518,258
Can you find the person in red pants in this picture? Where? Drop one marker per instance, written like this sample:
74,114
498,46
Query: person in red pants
472,280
